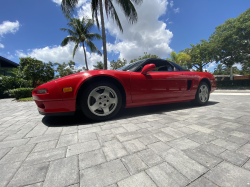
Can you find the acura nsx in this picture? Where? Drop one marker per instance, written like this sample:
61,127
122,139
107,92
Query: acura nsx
100,94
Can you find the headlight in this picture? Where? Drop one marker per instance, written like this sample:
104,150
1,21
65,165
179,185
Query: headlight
41,91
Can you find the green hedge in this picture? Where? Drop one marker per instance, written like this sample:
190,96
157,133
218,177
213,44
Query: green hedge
8,83
21,92
233,83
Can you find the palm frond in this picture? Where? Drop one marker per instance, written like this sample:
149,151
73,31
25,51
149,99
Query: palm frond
69,39
68,6
75,48
92,47
110,11
88,26
70,32
92,36
94,9
129,9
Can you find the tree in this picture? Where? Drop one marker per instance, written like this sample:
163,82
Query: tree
222,69
201,54
97,6
117,64
36,70
144,57
65,69
80,34
182,58
246,68
231,41
99,65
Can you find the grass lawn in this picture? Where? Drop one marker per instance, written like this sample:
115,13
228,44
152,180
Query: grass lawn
26,99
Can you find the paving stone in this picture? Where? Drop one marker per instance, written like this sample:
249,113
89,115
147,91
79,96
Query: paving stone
240,134
131,127
118,130
247,165
187,130
29,174
201,137
245,149
148,139
11,158
53,130
106,138
22,148
228,175
66,140
225,144
160,148
219,134
69,130
7,172
133,146
237,140
74,185
211,148
82,147
143,125
140,179
164,136
144,132
44,138
91,158
201,129
149,157
202,181
233,157
69,172
206,159
45,156
45,146
133,164
173,132
37,131
128,136
113,150
165,175
40,184
90,130
3,152
103,175
184,164
13,143
86,137
183,143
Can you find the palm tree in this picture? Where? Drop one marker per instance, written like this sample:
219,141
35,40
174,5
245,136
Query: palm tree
127,6
80,34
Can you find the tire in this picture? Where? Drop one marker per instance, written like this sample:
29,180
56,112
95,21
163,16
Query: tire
101,101
202,94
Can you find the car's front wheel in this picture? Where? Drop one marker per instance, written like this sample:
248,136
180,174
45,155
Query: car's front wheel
101,101
202,94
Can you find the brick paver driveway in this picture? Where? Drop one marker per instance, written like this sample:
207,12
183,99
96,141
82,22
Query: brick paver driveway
167,145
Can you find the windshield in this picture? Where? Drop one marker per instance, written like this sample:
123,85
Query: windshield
132,66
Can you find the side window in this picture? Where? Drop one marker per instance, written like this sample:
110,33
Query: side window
162,66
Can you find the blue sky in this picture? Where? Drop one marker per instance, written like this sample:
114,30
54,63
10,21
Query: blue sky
31,28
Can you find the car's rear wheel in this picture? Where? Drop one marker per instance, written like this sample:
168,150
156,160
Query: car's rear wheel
202,94
101,101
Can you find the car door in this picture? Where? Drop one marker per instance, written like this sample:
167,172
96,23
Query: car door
162,84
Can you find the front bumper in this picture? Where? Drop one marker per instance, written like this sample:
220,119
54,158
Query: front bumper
59,106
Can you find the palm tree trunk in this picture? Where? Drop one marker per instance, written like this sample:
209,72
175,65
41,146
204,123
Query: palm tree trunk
103,36
85,56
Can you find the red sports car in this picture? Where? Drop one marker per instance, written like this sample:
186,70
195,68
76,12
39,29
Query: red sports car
100,94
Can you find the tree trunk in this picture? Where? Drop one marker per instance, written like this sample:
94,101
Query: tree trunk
231,73
103,37
85,56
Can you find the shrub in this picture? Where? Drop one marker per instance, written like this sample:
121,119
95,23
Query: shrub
8,83
21,92
233,83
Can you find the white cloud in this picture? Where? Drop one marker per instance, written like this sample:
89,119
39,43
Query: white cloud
80,2
147,35
211,65
170,22
85,11
176,10
61,54
171,4
1,45
9,27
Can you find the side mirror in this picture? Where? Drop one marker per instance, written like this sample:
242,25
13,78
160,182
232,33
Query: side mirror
147,68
